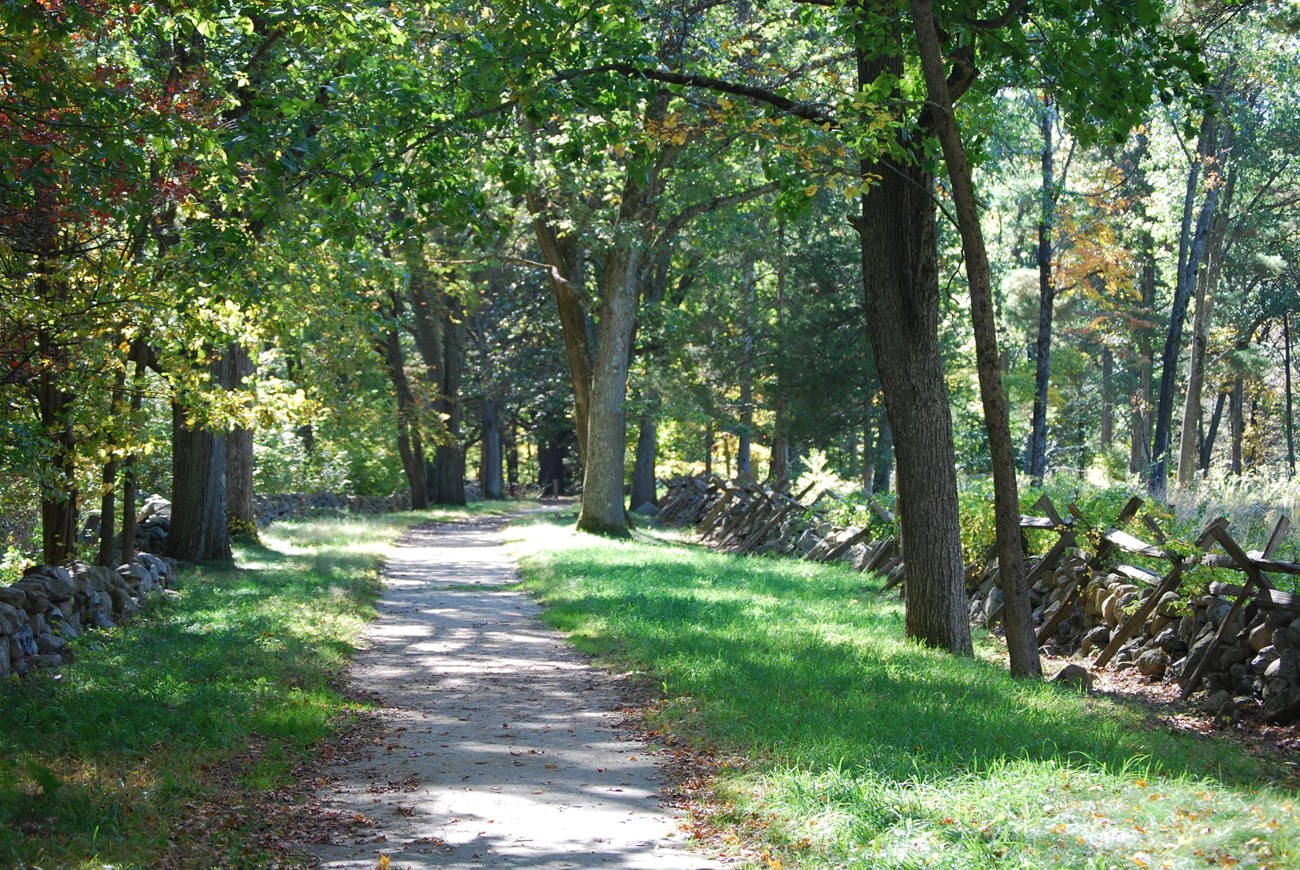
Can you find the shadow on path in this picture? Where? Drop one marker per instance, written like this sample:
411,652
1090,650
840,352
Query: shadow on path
501,746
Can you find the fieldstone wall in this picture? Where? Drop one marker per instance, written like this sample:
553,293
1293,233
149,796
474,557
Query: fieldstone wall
50,605
1087,603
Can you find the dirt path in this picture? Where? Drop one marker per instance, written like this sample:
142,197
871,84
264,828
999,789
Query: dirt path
502,746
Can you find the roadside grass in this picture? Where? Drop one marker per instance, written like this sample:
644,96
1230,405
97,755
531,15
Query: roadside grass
869,751
122,757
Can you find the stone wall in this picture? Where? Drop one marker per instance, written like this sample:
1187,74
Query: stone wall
1087,603
50,605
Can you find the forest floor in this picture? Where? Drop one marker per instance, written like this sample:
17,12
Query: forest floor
498,744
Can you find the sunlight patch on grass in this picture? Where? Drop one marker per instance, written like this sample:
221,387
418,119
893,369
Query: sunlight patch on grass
227,685
870,751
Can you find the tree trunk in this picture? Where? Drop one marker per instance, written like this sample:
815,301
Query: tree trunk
512,457
1207,443
108,480
128,464
1236,423
1017,611
868,455
1036,460
1286,355
238,366
1206,287
199,528
567,278
59,497
747,372
1107,398
708,448
1190,249
410,446
551,474
449,462
490,459
901,292
603,510
644,488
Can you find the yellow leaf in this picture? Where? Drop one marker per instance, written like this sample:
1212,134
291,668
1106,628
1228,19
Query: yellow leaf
811,189
383,863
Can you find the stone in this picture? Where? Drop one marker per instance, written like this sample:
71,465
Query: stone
14,597
1219,703
1158,624
1188,628
25,640
1074,677
1285,667
1277,618
61,585
38,601
1284,707
1286,637
1260,637
4,662
121,599
993,602
51,644
1168,606
1234,653
1202,645
1153,662
1217,611
1264,658
10,618
1096,639
1169,641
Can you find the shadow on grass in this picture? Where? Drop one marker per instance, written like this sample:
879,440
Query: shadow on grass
809,666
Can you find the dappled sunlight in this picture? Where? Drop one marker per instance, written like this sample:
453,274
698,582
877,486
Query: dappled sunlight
807,667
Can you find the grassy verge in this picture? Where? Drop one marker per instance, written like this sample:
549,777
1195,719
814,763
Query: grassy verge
867,751
133,755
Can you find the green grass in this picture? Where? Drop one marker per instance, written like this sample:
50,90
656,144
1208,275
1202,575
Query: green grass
210,697
869,751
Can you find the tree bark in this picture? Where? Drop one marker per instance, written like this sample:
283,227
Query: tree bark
410,446
138,356
567,276
59,501
1190,249
1206,287
1021,642
449,461
1207,443
199,528
644,488
108,480
1236,423
746,433
1286,356
1107,398
239,449
603,510
512,457
490,459
901,293
1036,460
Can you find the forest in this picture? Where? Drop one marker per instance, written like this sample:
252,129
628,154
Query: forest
908,247
989,299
